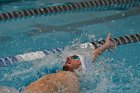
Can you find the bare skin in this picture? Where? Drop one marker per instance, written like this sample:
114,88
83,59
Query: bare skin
106,45
64,81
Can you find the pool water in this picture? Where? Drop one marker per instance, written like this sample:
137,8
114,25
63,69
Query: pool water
112,72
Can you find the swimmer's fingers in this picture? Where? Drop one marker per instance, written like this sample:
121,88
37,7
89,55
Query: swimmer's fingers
112,45
107,40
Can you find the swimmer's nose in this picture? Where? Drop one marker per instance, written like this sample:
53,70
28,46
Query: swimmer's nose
68,58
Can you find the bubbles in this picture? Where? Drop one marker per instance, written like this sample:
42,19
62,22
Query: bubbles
133,23
103,86
110,76
123,14
95,78
113,21
91,37
4,89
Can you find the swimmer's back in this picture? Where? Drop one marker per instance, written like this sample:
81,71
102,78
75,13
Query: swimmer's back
60,82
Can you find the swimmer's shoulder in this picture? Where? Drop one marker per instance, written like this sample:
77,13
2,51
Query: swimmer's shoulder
64,81
59,75
68,80
66,75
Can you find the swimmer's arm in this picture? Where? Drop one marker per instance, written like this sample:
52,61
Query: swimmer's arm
101,49
98,51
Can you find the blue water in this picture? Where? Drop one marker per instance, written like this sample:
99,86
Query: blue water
116,72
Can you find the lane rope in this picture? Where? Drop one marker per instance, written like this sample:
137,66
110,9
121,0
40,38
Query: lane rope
86,5
40,54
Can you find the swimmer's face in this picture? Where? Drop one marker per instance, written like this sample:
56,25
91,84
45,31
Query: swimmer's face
72,62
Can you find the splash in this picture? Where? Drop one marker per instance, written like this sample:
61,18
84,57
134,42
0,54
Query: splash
8,90
106,75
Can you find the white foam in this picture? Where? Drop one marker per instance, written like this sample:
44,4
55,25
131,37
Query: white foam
30,56
4,89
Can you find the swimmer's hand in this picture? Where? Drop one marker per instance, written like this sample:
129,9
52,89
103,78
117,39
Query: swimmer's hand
108,43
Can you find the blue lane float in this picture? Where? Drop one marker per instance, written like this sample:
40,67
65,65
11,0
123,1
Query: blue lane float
70,7
41,54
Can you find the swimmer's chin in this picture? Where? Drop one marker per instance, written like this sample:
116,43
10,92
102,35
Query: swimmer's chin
67,67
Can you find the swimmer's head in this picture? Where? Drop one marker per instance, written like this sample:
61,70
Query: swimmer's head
72,63
77,63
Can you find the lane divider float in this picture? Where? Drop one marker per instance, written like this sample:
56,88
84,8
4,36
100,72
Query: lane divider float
86,5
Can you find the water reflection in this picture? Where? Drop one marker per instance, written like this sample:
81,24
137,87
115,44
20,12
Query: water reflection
73,27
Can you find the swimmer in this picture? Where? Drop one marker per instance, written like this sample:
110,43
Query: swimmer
66,81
